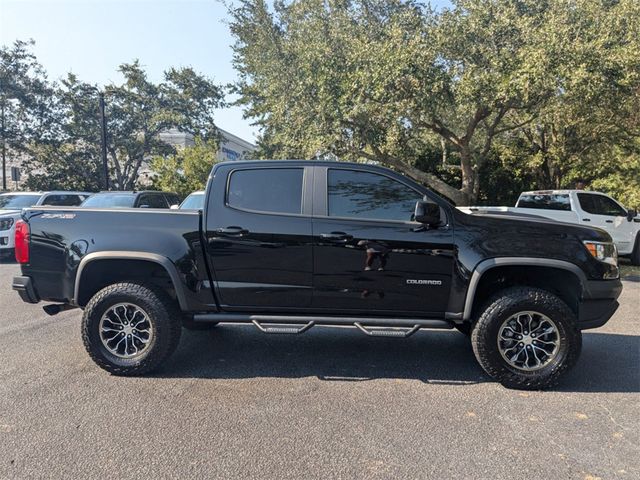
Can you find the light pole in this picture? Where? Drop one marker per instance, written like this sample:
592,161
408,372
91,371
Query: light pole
103,138
4,150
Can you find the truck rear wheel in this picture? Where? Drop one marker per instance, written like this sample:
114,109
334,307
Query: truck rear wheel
130,329
526,338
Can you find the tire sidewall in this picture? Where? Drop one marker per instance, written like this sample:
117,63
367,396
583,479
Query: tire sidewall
118,294
563,335
504,308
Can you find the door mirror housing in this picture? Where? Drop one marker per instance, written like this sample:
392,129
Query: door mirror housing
427,213
631,214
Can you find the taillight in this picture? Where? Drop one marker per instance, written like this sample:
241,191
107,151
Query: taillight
22,242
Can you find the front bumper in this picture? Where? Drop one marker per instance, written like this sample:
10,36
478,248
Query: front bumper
7,238
599,303
24,287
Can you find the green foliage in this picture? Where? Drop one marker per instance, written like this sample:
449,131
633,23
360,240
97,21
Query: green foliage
388,80
137,111
27,104
187,170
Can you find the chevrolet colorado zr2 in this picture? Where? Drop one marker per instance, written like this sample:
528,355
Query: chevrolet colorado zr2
291,245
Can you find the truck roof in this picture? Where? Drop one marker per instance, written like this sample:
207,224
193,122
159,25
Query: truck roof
48,192
558,192
324,163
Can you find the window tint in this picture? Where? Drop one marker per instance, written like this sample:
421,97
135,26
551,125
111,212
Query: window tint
110,200
276,190
195,201
369,195
152,200
172,199
8,201
545,201
60,200
600,205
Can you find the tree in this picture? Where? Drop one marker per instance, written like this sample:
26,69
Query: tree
27,104
384,80
186,171
584,129
138,111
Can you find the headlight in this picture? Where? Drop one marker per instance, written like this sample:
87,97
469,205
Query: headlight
6,223
605,252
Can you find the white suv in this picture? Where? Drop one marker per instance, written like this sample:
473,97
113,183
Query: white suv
12,203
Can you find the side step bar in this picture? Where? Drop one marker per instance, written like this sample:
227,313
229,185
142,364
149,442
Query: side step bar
296,324
277,329
387,332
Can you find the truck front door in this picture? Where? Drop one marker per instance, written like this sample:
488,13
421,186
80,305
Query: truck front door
369,256
603,212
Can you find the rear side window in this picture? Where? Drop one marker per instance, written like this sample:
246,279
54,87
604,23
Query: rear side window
172,199
357,194
110,200
600,205
270,190
547,201
60,200
152,200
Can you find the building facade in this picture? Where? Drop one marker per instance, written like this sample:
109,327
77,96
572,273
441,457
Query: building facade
232,148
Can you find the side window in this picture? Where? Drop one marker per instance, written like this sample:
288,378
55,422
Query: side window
61,200
545,201
369,195
600,205
272,190
152,200
172,199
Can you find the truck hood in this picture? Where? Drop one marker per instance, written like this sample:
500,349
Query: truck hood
537,224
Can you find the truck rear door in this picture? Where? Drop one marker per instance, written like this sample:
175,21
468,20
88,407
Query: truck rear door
258,236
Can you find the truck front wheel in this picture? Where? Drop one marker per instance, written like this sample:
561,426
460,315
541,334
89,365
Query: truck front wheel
526,338
130,329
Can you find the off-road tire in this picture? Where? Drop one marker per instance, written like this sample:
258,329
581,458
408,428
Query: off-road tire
484,337
163,314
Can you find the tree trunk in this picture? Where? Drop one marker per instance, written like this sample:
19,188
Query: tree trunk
456,196
470,181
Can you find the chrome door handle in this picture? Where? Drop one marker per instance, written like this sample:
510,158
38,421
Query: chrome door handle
232,231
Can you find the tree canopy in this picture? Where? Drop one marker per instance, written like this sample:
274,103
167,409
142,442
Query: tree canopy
482,82
138,111
187,170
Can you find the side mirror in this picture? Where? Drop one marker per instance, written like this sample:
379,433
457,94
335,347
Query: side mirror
174,207
427,213
631,214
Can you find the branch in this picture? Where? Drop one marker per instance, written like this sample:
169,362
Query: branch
440,186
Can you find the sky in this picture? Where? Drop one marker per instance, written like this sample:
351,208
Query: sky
92,37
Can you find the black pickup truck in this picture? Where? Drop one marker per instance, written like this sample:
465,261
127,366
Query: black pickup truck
290,245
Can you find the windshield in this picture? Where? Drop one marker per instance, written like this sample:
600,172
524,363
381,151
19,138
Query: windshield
109,200
17,202
195,201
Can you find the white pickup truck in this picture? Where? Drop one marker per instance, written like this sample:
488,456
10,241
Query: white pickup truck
579,207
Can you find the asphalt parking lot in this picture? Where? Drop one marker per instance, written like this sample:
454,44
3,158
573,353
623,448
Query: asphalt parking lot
235,403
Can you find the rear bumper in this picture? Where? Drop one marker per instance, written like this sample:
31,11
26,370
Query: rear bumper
599,303
24,287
